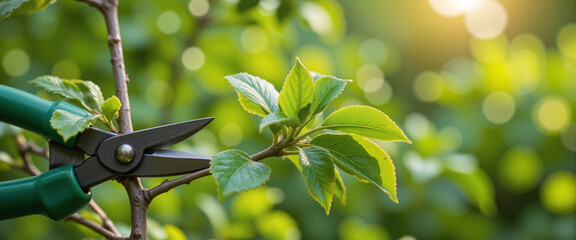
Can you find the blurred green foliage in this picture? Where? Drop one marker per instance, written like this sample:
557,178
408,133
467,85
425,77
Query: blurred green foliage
492,121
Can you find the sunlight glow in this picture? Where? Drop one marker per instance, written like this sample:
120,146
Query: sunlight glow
453,8
487,20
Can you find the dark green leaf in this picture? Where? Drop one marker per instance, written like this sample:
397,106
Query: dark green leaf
68,124
110,108
257,90
244,5
327,88
284,10
278,118
366,121
298,92
361,158
8,6
340,190
234,171
318,173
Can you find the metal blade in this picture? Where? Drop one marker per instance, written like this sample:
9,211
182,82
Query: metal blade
164,136
170,162
144,142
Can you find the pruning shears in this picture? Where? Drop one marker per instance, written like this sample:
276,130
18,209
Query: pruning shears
65,188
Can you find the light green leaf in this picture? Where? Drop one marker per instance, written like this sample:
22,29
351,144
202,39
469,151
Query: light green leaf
92,96
478,188
8,6
250,107
110,108
366,121
55,85
326,88
316,75
68,124
318,173
278,118
85,93
361,158
257,90
297,94
340,190
234,171
5,161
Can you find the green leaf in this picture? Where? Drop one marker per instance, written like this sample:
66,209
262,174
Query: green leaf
110,108
245,5
283,11
327,88
257,90
365,121
85,93
33,6
68,124
92,96
318,173
8,6
316,75
251,107
5,161
278,118
297,94
361,158
234,171
340,190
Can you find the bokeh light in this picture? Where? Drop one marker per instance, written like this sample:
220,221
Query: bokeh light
487,20
490,50
520,169
254,39
199,8
193,58
559,192
453,8
428,86
566,41
499,107
66,69
552,114
169,22
16,62
231,134
569,138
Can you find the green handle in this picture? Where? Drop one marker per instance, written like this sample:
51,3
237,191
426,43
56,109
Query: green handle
55,194
33,113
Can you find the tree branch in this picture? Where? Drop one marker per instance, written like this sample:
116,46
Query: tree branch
274,150
94,226
136,193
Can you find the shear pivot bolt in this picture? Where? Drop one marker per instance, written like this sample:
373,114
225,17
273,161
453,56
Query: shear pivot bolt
125,153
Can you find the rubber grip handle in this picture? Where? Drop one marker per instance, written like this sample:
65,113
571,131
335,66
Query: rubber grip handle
55,194
33,113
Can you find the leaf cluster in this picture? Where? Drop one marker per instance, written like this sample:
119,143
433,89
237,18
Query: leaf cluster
339,142
85,94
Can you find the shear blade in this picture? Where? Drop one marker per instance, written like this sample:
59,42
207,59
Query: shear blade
170,162
164,136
